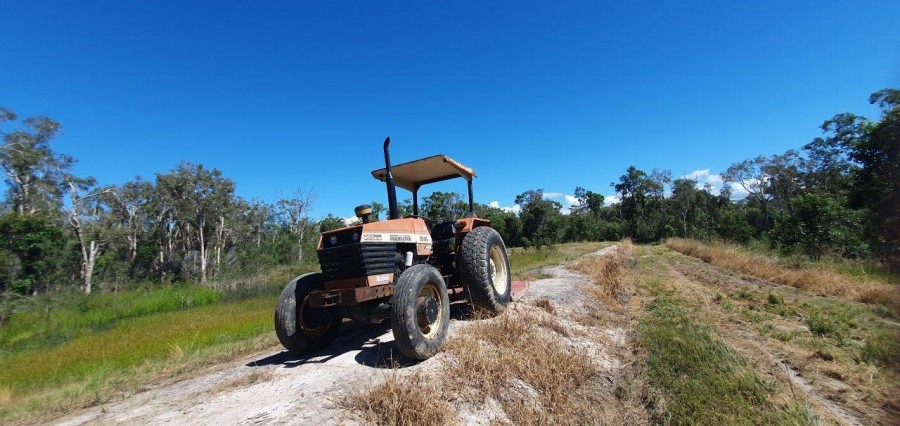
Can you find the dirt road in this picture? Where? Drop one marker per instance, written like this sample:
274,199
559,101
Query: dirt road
276,388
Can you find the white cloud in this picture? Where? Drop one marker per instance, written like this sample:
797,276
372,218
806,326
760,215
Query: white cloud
697,175
609,200
515,208
714,180
552,195
350,220
571,200
738,192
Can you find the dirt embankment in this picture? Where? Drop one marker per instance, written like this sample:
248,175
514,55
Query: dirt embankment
276,388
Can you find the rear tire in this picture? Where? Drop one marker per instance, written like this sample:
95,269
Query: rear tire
420,312
484,269
300,328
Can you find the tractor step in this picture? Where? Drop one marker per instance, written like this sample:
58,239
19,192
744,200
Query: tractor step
518,289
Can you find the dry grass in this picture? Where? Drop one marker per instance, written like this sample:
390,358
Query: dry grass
545,305
609,273
402,400
5,396
817,280
521,367
524,371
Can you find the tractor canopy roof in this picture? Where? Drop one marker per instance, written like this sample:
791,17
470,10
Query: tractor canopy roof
410,176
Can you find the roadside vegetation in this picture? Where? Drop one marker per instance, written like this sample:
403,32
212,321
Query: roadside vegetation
62,352
838,358
813,277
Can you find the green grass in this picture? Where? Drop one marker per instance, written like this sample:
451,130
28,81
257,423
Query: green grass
58,352
54,320
882,348
524,263
703,381
88,362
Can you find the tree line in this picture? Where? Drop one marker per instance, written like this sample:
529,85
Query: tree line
835,196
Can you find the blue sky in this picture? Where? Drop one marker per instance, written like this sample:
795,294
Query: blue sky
531,95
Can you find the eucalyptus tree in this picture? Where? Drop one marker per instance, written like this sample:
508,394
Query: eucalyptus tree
685,198
293,213
128,204
32,169
199,199
83,212
588,201
751,176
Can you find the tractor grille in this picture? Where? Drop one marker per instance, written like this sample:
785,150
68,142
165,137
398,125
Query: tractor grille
357,260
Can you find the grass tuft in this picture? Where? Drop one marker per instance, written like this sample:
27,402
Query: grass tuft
401,400
609,273
882,348
545,305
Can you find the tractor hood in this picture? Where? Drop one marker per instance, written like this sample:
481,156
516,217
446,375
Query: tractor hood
398,231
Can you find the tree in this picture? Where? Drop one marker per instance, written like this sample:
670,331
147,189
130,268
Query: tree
293,211
684,197
33,171
199,199
820,225
876,183
257,216
83,209
540,218
640,202
32,246
751,176
128,205
330,223
442,206
783,180
588,201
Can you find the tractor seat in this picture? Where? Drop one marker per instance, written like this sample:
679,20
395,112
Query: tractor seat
443,231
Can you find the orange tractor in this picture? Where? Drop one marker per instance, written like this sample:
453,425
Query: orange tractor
401,268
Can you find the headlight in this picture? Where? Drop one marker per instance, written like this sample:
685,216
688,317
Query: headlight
355,237
333,240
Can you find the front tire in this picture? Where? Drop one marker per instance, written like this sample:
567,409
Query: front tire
484,269
302,329
420,312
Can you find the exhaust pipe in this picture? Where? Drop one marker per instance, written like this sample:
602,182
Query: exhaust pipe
389,180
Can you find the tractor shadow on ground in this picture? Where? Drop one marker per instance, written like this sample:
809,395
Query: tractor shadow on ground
374,343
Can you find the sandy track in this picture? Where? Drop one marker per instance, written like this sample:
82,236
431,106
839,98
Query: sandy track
276,388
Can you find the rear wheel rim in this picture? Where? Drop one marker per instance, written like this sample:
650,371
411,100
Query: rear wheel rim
429,310
499,272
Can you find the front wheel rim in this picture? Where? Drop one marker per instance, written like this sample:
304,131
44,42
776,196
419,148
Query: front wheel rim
429,323
308,317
